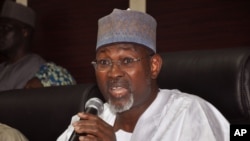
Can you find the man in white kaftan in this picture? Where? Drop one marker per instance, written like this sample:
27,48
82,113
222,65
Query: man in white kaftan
126,69
177,117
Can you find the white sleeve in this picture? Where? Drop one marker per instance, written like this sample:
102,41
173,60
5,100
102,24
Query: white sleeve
67,133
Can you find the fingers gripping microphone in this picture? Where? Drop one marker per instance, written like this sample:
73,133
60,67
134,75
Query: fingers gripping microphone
93,106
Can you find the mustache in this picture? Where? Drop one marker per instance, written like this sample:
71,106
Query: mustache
118,83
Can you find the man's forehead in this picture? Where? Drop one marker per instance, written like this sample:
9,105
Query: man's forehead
119,47
9,21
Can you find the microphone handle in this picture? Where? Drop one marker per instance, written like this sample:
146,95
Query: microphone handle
74,136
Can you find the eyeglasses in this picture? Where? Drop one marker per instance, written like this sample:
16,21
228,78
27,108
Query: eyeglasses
106,64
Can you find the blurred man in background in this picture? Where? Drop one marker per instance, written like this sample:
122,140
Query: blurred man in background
17,23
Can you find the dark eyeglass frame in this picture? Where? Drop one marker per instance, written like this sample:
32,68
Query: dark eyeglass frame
124,64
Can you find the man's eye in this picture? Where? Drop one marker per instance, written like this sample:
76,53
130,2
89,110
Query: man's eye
104,62
127,61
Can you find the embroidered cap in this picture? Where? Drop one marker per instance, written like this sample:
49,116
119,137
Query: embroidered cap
18,12
127,26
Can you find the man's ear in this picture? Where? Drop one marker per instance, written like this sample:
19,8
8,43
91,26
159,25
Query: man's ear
156,63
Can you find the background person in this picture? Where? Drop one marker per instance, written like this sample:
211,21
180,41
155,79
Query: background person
126,68
17,24
8,133
49,75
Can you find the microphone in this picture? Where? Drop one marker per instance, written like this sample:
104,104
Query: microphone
93,106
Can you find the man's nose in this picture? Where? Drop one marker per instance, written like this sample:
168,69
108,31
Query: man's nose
115,70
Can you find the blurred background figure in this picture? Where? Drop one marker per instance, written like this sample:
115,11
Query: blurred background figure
17,23
8,133
49,75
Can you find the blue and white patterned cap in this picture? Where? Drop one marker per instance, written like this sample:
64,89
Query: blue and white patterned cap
51,74
127,26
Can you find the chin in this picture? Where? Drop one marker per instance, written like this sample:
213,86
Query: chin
122,105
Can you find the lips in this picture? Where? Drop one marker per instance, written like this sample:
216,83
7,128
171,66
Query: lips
118,89
118,92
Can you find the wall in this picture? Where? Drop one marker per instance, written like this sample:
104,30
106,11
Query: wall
66,30
201,25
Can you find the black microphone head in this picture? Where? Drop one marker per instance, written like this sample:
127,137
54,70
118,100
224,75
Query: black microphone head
95,103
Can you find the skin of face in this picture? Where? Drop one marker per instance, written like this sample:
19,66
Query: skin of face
119,86
12,35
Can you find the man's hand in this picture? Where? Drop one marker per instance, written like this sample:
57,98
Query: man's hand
94,128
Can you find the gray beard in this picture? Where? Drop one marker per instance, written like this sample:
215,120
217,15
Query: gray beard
121,108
